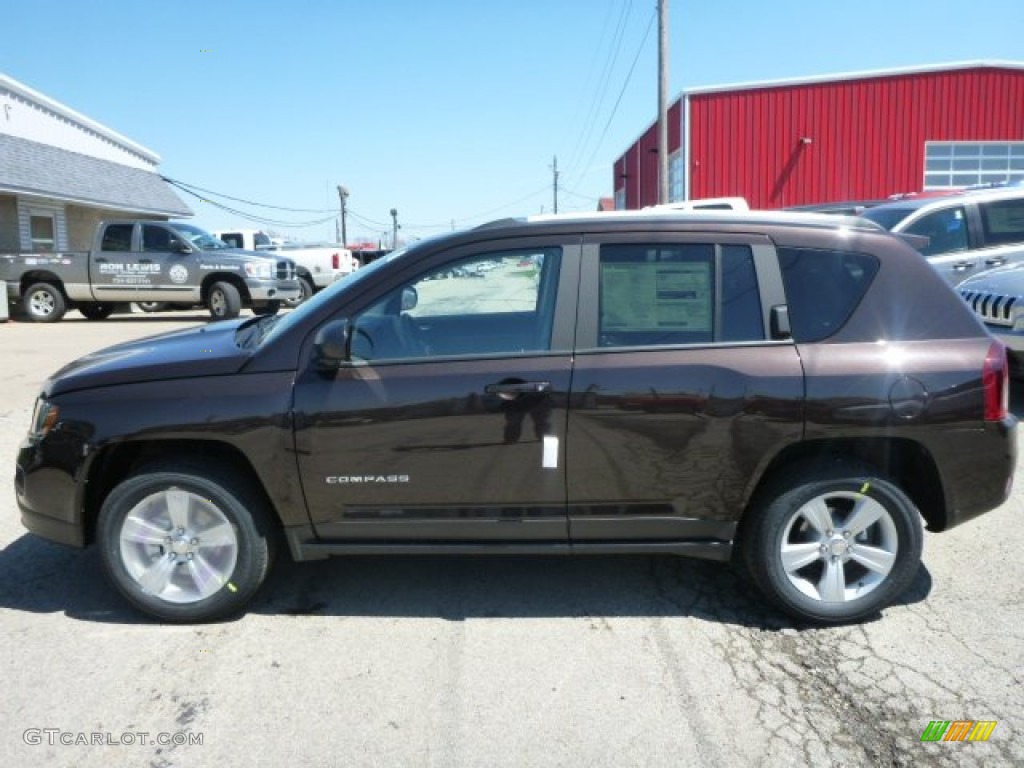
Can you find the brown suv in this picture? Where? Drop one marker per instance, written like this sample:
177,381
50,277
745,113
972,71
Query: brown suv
794,389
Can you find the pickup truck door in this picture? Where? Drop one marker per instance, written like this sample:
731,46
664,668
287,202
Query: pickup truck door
151,268
448,425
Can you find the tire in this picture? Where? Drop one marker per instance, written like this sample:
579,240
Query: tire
44,303
224,301
307,291
270,308
152,306
834,544
96,311
151,532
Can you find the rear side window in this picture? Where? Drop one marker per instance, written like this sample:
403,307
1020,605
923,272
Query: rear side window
823,287
653,295
1003,221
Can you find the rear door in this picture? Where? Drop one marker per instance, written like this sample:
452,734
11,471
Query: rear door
679,392
449,423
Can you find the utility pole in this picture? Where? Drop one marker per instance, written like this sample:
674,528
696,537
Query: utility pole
394,229
343,196
554,170
662,101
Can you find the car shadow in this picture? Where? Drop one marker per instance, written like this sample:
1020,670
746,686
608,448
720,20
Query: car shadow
39,577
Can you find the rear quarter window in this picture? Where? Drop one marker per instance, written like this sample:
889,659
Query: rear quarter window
823,287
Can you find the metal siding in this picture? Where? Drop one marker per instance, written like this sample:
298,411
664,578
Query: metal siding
868,135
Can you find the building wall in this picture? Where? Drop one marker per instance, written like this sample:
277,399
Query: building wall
866,136
636,172
9,241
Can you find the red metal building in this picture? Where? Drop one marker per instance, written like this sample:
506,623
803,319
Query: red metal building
856,136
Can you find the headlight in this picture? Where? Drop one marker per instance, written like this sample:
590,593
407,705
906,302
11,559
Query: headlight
44,417
262,269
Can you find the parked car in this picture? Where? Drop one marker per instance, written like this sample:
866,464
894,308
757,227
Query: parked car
792,391
845,207
968,233
997,298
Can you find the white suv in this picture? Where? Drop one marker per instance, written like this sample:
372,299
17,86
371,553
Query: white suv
968,233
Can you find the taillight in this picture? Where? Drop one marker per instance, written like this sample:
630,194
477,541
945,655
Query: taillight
335,261
995,380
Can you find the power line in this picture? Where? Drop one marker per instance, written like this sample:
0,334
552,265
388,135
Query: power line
182,185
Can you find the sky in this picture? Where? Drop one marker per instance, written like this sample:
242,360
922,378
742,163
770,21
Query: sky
451,112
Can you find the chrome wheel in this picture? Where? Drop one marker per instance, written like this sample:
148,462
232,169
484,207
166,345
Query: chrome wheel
218,303
42,303
178,546
839,546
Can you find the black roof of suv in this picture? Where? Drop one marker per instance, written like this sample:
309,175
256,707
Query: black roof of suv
796,391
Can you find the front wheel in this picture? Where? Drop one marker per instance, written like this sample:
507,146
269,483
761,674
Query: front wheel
225,302
44,303
307,291
835,545
184,543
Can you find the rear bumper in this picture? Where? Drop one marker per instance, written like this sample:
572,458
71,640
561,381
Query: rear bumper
978,469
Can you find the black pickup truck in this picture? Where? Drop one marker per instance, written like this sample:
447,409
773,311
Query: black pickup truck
148,261
795,391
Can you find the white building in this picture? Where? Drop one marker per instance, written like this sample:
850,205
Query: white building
60,173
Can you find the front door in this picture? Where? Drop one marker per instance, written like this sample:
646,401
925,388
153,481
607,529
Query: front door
143,262
449,422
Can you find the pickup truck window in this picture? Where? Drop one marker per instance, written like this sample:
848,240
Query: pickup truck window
155,238
117,237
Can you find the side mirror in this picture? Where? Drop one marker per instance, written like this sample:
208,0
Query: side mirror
780,327
331,344
177,246
410,298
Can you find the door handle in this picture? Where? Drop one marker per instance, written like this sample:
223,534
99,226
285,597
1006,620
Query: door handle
963,266
996,262
510,389
101,261
145,261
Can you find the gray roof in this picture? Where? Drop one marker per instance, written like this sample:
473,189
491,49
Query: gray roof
30,168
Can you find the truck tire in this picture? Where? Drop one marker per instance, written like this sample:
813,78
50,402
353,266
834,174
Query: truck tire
186,542
44,303
307,291
96,311
152,306
224,301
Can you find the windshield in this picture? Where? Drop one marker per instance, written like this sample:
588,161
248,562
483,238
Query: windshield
887,217
200,238
328,295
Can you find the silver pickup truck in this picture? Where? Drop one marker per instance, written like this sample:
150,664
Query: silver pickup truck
148,261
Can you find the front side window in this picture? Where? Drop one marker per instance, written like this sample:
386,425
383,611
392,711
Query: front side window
653,295
155,238
945,229
495,303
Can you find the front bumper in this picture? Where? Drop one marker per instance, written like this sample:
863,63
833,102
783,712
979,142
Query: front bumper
262,291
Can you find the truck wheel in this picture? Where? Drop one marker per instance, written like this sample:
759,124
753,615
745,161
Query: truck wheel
836,545
307,291
44,303
96,311
224,301
185,543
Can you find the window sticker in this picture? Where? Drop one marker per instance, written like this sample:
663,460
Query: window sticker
656,296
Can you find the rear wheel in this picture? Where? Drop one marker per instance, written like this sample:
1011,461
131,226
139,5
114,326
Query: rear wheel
834,545
224,302
44,303
96,311
185,543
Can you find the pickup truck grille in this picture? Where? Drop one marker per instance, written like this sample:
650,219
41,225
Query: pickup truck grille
285,269
991,307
